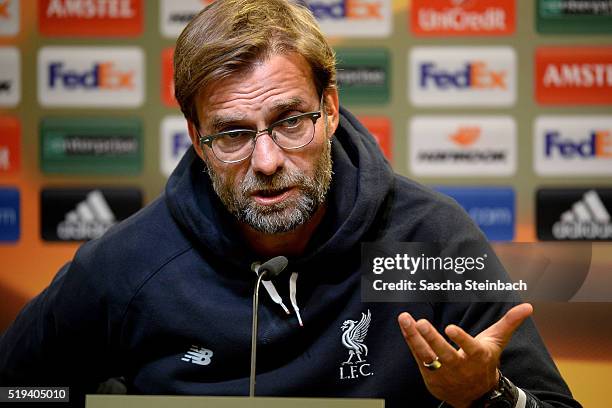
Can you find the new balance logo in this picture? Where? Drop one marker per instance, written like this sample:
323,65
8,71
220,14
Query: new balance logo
587,219
89,220
198,355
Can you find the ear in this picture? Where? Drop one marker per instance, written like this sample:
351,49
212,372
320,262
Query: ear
332,108
193,135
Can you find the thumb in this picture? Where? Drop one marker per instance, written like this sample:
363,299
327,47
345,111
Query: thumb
503,329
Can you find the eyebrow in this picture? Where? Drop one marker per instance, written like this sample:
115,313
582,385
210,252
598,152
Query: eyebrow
217,121
220,121
288,104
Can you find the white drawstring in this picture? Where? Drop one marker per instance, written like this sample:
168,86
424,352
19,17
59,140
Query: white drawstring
292,296
274,295
271,289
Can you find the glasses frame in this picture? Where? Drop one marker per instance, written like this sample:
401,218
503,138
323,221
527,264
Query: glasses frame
209,139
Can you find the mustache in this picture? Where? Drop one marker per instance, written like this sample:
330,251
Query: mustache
257,182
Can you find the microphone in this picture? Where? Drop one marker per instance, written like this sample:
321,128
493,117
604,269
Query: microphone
272,268
267,271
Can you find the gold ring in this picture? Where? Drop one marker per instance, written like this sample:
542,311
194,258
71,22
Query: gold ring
434,365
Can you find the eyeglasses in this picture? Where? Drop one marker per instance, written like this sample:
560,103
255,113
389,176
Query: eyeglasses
236,145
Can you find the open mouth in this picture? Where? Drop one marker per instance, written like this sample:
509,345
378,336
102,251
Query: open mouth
271,196
270,193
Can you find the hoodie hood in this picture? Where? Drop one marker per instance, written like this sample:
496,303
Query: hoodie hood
362,179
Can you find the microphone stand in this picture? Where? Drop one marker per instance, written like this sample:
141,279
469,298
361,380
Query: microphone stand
254,334
268,270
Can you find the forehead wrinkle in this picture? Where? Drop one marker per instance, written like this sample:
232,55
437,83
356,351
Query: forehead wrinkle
218,121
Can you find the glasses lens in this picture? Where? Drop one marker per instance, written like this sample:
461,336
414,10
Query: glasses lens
294,132
233,146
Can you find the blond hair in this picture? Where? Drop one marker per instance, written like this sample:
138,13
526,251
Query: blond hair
230,36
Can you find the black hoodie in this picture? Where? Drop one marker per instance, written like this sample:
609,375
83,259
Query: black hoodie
164,299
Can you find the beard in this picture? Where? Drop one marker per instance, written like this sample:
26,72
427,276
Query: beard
283,216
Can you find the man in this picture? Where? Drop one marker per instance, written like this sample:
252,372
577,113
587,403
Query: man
277,168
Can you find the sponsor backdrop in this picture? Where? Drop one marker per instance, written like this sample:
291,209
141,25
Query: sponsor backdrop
504,105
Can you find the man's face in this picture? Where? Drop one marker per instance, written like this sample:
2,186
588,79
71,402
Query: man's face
274,190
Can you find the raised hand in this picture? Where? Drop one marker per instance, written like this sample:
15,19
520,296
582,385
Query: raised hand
460,377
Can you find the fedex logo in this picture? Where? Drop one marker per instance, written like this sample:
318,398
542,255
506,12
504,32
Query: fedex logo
597,144
350,9
174,142
101,75
175,14
87,77
441,76
353,18
574,145
180,143
473,75
9,18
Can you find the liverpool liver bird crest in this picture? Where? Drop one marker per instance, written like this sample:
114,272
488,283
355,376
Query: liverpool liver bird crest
353,335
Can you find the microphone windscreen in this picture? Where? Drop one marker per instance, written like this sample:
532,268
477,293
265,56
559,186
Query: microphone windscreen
273,267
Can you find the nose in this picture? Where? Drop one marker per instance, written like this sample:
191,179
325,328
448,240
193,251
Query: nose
267,156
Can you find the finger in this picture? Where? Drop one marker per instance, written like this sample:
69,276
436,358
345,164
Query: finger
417,344
446,352
468,344
505,327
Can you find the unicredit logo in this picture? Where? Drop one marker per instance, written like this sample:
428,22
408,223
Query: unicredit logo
597,144
102,75
458,19
474,75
